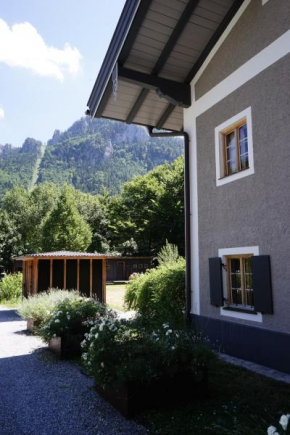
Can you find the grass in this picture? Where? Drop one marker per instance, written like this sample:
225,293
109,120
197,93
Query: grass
115,296
240,403
12,303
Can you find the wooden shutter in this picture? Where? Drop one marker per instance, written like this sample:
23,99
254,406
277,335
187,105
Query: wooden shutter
216,282
262,284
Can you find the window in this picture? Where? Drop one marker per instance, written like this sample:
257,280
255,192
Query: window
240,281
234,148
237,282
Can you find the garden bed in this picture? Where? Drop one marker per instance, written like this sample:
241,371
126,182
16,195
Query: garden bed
132,397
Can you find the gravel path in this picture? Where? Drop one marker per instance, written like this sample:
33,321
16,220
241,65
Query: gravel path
41,395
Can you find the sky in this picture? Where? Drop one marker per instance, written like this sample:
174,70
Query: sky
50,55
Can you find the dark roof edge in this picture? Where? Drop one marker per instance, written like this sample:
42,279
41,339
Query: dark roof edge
115,47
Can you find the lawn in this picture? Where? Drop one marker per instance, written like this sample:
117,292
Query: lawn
240,403
115,296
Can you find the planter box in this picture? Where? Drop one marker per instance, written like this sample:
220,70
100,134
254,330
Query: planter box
67,347
30,325
133,397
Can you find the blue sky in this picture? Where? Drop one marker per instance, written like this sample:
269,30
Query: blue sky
45,84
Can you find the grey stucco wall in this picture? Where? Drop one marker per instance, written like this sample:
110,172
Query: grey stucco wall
255,210
258,27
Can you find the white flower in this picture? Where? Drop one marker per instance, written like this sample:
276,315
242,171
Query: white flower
284,421
168,332
96,336
173,348
54,335
68,317
89,363
83,343
102,365
271,430
165,325
57,321
85,356
101,327
126,334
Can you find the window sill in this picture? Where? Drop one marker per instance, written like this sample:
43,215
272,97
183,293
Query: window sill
239,310
233,173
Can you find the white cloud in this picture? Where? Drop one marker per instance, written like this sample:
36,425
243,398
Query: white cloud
2,113
22,46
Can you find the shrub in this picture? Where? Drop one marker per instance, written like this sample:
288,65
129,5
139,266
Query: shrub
168,254
11,287
73,317
40,306
159,294
117,351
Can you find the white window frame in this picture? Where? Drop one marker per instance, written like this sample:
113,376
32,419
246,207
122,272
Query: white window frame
223,253
219,148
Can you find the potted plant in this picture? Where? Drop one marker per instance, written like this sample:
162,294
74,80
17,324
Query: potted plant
65,328
135,368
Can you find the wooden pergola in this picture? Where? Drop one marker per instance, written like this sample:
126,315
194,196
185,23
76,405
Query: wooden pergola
84,272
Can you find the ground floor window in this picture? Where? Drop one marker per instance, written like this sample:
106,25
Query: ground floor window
240,281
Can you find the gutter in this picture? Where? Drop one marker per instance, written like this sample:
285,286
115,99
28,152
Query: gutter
187,211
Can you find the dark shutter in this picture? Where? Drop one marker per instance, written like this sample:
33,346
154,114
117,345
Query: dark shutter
216,282
262,284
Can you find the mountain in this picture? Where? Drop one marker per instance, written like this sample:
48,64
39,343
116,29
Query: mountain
99,152
17,164
89,155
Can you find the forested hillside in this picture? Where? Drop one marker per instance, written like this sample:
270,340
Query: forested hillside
17,164
90,155
96,153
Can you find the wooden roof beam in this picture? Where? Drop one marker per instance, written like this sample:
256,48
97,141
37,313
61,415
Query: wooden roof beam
191,5
175,92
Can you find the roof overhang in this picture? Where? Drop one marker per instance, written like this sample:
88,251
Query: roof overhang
156,50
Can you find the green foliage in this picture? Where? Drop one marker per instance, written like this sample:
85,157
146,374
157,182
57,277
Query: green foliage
168,254
159,294
11,287
65,228
150,209
72,317
117,351
40,306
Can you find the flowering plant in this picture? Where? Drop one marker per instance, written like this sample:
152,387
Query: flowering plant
117,351
284,420
73,317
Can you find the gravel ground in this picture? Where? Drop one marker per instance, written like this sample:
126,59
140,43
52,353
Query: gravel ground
41,395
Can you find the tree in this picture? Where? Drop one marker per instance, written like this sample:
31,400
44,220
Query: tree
65,228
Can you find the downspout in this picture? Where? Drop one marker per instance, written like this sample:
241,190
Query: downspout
187,211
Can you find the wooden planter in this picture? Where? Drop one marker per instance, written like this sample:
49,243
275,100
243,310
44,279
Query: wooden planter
133,397
30,325
67,347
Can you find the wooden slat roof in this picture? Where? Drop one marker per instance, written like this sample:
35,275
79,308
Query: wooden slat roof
165,39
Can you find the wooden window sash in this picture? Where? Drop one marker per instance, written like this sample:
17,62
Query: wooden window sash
232,129
241,258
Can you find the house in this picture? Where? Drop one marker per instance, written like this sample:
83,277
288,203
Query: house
217,72
120,268
67,270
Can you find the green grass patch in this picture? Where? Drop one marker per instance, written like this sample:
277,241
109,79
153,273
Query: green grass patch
240,402
115,295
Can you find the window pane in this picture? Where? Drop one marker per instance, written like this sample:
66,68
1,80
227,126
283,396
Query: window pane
248,265
235,265
244,161
230,139
243,132
250,298
237,296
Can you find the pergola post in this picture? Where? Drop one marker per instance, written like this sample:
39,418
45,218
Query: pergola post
78,274
64,274
104,275
51,272
91,277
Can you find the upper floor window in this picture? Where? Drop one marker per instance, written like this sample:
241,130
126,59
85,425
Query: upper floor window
234,148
